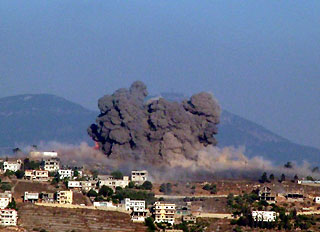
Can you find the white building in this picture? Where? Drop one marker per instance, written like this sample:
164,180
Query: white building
4,202
139,176
12,165
8,217
266,216
87,185
65,173
51,165
32,197
74,184
113,183
104,204
137,208
164,212
45,154
317,200
7,194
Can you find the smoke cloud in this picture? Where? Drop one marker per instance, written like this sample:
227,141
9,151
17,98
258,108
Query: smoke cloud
157,130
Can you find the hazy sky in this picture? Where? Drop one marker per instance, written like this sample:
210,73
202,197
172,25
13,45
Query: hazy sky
260,58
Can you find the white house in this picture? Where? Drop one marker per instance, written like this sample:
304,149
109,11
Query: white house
74,184
137,208
32,197
104,204
164,212
113,183
87,185
4,202
46,154
7,194
12,165
139,176
317,200
8,217
51,165
266,216
65,173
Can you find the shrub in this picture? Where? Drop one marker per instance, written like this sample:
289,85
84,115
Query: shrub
105,191
147,185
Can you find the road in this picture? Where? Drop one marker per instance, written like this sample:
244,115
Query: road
192,196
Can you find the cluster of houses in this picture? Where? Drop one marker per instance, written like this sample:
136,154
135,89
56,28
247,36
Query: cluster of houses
8,217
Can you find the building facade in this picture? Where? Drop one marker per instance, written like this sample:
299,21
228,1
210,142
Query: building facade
31,197
265,216
12,165
139,176
8,217
113,183
51,165
64,197
164,212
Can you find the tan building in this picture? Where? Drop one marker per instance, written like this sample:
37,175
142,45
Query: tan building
139,176
52,165
64,197
36,175
164,212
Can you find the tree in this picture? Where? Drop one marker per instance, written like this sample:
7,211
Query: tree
147,185
310,178
105,191
166,188
283,177
131,184
150,224
315,169
75,173
19,174
16,150
288,165
264,178
12,204
295,178
271,177
92,193
117,175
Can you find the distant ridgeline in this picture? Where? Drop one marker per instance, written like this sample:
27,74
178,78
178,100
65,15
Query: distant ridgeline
28,119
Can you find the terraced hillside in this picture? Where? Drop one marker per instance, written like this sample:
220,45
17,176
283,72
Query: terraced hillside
51,219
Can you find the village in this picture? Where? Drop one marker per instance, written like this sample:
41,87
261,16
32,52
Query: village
42,181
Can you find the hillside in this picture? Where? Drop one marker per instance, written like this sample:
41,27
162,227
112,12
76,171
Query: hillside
29,119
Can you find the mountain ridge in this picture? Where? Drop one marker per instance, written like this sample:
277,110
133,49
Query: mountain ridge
30,118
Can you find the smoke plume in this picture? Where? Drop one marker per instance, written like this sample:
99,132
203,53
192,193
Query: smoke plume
157,131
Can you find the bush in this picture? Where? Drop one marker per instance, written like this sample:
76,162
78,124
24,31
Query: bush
105,191
131,184
212,188
150,224
19,174
166,188
117,175
147,185
5,186
92,193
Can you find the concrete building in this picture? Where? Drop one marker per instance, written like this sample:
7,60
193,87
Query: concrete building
65,173
113,183
74,184
104,204
137,208
64,197
317,200
292,197
37,175
47,197
189,219
265,194
6,194
12,165
4,202
87,185
31,197
265,216
8,217
164,212
45,154
139,176
52,165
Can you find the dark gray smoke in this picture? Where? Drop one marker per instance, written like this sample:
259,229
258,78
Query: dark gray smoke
157,130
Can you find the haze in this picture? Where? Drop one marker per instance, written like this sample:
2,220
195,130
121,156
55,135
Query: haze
259,58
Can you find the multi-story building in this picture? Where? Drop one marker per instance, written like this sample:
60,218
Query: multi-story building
36,175
113,183
7,194
265,216
87,185
52,165
137,208
64,197
12,165
8,217
139,176
65,173
4,202
31,197
164,212
265,194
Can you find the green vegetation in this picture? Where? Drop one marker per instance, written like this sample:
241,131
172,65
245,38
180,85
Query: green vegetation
5,186
117,175
133,195
212,188
166,188
92,193
147,185
12,204
31,165
19,174
150,224
105,191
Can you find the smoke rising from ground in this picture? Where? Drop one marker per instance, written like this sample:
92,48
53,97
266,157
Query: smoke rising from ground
210,162
157,130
